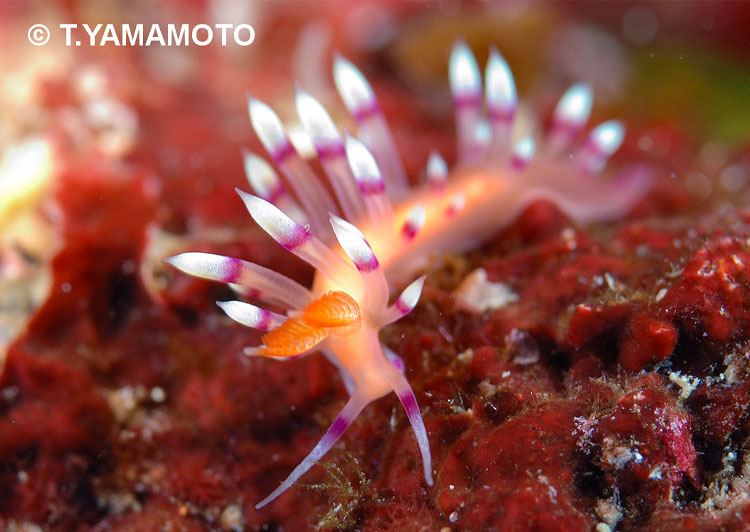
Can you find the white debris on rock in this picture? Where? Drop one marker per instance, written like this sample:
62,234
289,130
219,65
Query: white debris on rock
521,348
232,518
465,356
686,383
619,455
124,401
477,294
585,426
609,511
14,526
737,366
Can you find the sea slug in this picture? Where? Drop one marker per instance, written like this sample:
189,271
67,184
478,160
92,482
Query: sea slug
394,229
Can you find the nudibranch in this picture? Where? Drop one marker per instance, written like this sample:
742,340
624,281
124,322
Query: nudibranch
376,229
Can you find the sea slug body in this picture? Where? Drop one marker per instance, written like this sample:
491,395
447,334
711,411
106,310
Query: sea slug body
394,229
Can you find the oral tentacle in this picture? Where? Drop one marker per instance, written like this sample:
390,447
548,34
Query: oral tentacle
409,401
395,360
342,422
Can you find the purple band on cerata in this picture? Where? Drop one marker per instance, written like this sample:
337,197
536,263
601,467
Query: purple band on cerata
368,266
402,307
568,128
410,230
284,151
331,150
366,111
593,147
371,186
501,114
410,403
264,323
233,270
338,427
518,163
467,100
454,207
436,184
296,238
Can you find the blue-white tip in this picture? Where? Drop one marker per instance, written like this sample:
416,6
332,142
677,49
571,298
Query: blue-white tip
465,78
316,120
500,86
352,85
574,106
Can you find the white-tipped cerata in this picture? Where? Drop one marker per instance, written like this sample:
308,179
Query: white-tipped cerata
410,296
437,171
262,177
354,245
502,101
309,191
258,281
282,229
358,250
266,183
317,122
294,237
456,204
465,79
330,146
500,88
574,107
251,316
523,152
602,142
414,221
364,167
207,266
405,302
466,86
370,181
360,100
608,137
353,87
269,128
570,117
